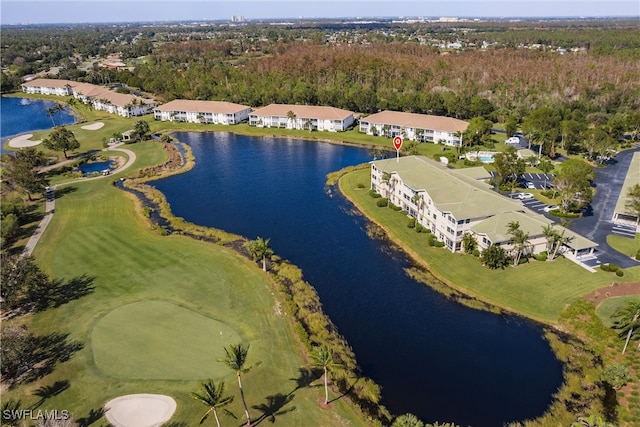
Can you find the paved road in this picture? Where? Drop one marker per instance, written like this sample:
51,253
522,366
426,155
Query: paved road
50,203
596,223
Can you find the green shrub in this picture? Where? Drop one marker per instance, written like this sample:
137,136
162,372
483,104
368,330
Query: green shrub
542,256
374,194
560,214
382,203
638,255
547,193
439,244
619,273
419,228
411,223
609,267
431,240
394,207
146,211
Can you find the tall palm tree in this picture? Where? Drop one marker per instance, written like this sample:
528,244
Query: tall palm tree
519,239
627,318
260,249
235,359
323,358
550,234
213,396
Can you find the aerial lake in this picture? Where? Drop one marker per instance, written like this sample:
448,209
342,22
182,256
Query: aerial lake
432,356
21,115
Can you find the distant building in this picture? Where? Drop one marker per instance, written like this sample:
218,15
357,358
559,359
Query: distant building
415,127
49,87
452,202
239,18
302,117
99,97
622,214
194,111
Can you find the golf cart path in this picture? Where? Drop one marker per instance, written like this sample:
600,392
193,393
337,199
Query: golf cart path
50,203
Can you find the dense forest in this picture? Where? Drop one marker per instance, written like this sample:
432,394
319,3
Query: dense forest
585,72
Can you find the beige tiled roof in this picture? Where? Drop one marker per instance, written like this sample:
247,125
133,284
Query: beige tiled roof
303,112
417,121
49,83
216,107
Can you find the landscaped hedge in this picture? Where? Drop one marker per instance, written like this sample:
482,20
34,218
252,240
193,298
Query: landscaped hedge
374,194
382,203
609,267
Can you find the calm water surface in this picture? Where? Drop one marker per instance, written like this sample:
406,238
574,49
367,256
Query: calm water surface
432,357
21,115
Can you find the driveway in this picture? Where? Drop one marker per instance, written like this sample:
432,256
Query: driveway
596,223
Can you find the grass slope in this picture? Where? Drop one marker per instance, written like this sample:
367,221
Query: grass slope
539,290
97,231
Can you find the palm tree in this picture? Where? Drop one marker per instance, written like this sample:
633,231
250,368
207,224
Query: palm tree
323,358
386,177
519,239
291,116
260,249
469,243
51,111
550,234
235,359
627,318
212,396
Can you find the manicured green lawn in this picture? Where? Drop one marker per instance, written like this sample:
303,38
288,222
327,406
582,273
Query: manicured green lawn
625,245
539,290
610,305
173,296
153,339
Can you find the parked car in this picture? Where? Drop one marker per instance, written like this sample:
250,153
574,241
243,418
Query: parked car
524,196
550,208
531,186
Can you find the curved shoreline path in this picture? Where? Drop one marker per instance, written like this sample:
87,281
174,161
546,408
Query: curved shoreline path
50,203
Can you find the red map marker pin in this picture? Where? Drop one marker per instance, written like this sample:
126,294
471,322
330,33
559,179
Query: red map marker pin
397,142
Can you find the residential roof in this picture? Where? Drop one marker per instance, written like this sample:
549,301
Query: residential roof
632,178
456,191
462,193
417,121
49,83
216,107
303,112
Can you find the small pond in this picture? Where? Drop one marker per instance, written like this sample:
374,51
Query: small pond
93,167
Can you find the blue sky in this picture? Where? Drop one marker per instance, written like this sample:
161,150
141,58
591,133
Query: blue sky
96,11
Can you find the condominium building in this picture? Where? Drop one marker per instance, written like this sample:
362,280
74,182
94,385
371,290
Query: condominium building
217,112
100,98
452,202
302,117
415,127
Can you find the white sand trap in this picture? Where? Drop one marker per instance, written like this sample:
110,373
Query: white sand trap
23,141
140,410
93,126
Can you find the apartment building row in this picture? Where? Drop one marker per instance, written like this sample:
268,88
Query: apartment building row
100,98
417,127
452,202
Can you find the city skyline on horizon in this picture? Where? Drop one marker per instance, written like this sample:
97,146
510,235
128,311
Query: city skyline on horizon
16,12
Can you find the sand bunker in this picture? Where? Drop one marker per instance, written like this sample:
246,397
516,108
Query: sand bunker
140,410
23,141
93,126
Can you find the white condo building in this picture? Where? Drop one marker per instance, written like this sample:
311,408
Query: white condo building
217,112
415,127
302,117
451,202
